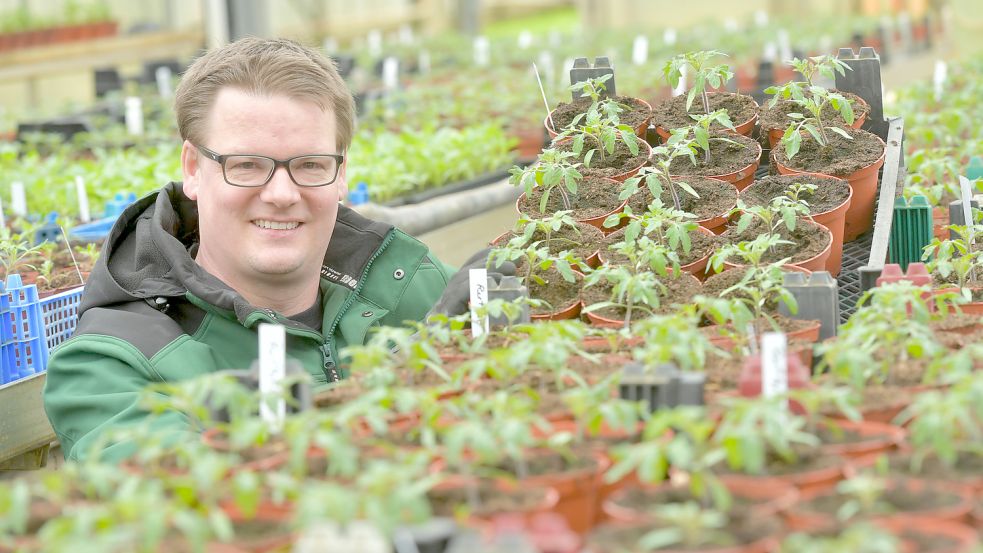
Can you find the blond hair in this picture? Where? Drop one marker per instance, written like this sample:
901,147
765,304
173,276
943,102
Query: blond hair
263,66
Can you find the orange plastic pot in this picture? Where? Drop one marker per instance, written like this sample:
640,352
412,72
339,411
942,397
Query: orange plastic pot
571,311
835,221
597,222
962,539
593,260
860,215
640,130
717,224
744,128
775,135
604,322
877,438
743,177
698,268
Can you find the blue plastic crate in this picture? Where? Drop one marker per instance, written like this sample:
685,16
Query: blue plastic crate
22,359
61,315
24,350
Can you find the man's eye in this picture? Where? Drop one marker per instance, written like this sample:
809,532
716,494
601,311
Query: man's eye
244,165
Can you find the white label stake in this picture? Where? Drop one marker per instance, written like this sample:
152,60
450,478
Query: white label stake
967,198
479,297
83,198
134,115
163,76
482,51
938,79
640,50
18,200
549,114
272,370
681,87
669,36
424,62
374,45
390,73
525,40
774,364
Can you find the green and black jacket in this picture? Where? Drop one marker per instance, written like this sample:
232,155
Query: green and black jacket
151,314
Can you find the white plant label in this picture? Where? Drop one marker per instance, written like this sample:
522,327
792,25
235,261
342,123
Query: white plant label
826,43
555,39
272,371
374,40
525,40
134,115
405,34
163,76
938,79
479,298
669,36
761,18
423,62
3,219
482,51
774,364
390,73
640,50
770,53
330,45
567,66
18,200
784,45
546,66
83,199
967,197
730,25
681,87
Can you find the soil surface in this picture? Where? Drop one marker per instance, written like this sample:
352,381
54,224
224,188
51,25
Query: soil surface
896,499
677,291
968,467
716,197
830,192
701,245
583,241
738,531
644,499
671,114
777,117
841,157
60,278
492,500
613,164
551,462
807,459
807,241
595,197
729,153
634,113
554,290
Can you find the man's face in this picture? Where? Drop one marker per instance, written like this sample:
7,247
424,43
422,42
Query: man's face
237,244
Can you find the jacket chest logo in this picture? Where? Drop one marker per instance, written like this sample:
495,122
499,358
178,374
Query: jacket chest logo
338,277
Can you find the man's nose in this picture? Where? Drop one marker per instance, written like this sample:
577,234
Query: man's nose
281,191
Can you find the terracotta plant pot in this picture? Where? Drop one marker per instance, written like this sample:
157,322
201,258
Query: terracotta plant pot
814,263
963,538
743,128
863,183
257,459
743,177
597,222
804,516
876,438
775,135
452,483
698,268
604,322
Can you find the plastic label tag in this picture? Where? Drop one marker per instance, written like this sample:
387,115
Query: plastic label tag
83,199
774,364
966,192
482,51
272,371
730,25
640,50
163,76
479,298
545,60
406,34
761,18
390,73
18,200
374,43
134,115
938,79
770,52
669,36
681,87
525,39
423,62
784,45
330,45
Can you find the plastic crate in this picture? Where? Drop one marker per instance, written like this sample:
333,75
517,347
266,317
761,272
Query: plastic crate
61,315
24,350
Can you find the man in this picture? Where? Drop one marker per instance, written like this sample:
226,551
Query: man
255,234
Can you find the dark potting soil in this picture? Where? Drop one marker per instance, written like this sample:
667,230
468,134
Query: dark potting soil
677,291
613,164
927,542
715,197
777,117
645,499
557,292
807,459
807,240
738,531
61,278
830,192
974,283
634,112
839,435
583,241
841,157
249,531
672,114
896,499
701,245
492,500
723,373
968,467
594,197
728,153
716,284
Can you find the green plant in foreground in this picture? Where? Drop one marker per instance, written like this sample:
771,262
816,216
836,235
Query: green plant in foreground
959,257
657,175
860,538
555,170
704,73
599,129
813,123
688,526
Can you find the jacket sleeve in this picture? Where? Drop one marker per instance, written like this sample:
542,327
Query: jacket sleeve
93,386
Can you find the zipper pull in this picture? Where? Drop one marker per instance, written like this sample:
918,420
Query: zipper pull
330,369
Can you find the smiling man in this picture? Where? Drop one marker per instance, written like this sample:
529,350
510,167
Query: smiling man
254,234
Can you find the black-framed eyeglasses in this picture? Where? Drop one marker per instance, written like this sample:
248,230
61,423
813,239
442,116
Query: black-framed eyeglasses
249,170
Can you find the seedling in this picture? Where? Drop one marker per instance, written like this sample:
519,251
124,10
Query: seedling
704,73
657,175
555,170
702,135
858,538
599,128
753,429
592,88
674,338
781,211
813,123
688,526
959,257
15,250
665,226
826,66
539,255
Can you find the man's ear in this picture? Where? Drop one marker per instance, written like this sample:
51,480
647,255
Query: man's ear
190,170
